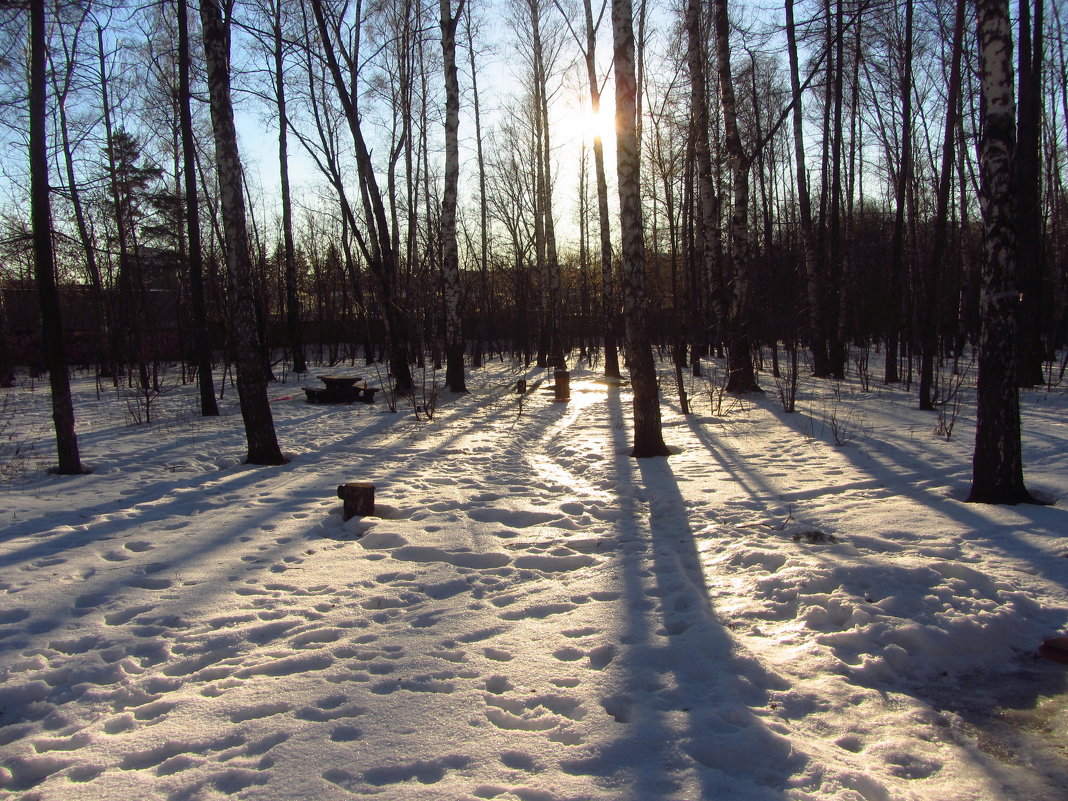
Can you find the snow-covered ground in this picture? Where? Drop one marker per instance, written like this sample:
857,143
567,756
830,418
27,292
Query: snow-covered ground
531,614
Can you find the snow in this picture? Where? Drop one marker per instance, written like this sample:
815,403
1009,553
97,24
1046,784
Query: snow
531,614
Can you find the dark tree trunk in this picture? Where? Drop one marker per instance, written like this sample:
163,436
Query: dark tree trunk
43,257
928,291
379,249
450,258
814,279
648,437
554,354
997,464
704,251
894,300
836,351
293,311
741,375
483,208
608,299
201,338
251,379
7,361
106,347
1029,196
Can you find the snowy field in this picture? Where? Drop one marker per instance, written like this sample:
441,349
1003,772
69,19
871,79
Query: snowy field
530,615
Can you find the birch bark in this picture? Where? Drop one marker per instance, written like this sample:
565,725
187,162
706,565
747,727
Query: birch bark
648,437
251,382
997,463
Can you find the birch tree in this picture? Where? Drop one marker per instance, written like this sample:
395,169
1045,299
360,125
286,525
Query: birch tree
251,380
741,376
648,436
608,319
997,463
450,259
378,247
201,341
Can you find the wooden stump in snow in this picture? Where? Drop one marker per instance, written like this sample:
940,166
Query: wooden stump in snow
562,379
359,498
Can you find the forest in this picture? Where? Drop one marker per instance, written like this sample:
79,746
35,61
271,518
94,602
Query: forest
810,253
847,186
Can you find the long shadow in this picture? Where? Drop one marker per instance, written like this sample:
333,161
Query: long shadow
145,503
686,693
297,486
981,699
894,466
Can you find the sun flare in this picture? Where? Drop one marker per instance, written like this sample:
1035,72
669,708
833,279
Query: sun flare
591,125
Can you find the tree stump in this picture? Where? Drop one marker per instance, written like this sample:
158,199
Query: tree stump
521,386
562,379
359,498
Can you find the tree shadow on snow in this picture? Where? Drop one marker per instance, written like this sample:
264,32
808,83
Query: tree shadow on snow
687,699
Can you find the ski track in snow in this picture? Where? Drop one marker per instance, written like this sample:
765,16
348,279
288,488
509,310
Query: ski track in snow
530,614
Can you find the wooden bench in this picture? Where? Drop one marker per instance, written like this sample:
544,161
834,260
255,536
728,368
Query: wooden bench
367,394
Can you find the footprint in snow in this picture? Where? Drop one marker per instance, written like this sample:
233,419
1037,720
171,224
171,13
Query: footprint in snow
329,709
151,583
72,743
538,611
436,683
48,561
345,734
234,780
176,764
512,518
498,684
16,615
602,656
517,760
480,635
316,636
75,646
154,711
498,654
429,771
478,561
585,631
617,707
84,773
26,772
289,665
554,564
259,711
568,654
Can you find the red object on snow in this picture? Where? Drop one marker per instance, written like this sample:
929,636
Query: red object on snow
1055,648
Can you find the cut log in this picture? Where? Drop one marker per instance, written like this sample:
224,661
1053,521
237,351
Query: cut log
562,380
359,498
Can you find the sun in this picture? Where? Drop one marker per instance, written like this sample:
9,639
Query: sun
592,125
579,125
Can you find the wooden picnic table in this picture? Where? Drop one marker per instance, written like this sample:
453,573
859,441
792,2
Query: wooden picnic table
341,389
339,383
